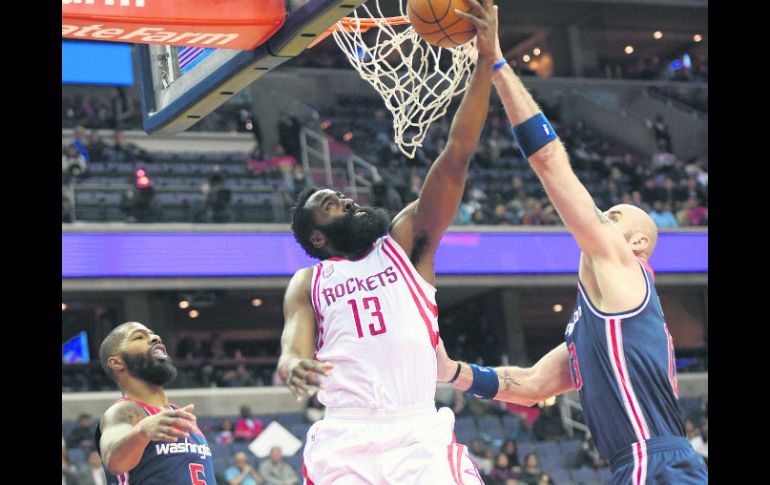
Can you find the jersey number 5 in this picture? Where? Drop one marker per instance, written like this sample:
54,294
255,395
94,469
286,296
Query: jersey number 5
577,381
195,469
370,303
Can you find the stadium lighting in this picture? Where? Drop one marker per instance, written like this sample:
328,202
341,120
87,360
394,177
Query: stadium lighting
63,306
629,49
697,37
557,308
536,51
525,58
256,302
194,313
184,304
657,34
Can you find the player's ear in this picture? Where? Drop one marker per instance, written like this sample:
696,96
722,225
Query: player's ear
115,363
317,238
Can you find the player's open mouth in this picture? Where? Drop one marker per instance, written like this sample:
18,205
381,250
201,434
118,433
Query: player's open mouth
159,352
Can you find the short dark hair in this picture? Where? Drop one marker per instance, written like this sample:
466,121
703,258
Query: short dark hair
109,346
303,223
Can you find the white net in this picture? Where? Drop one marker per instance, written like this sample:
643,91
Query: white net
416,80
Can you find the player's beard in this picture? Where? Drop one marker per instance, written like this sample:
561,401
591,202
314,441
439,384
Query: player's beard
353,234
148,368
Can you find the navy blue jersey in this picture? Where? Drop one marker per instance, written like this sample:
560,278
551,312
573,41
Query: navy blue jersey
624,371
186,462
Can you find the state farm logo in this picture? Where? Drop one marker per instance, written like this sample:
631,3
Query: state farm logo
147,35
108,3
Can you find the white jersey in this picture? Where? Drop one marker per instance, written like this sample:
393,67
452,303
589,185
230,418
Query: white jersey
377,324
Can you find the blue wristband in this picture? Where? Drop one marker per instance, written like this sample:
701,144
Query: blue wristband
533,134
499,64
485,382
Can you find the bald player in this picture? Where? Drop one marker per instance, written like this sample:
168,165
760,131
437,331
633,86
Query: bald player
618,355
142,437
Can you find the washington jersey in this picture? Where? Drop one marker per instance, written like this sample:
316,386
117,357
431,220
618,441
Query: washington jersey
624,370
377,324
186,462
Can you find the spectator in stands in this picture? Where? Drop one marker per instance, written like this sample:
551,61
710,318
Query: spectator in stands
238,377
283,163
588,454
73,164
207,375
502,216
224,436
537,215
385,196
246,427
122,108
531,473
288,134
480,457
92,472
693,189
242,473
82,436
698,170
701,442
97,149
257,164
79,142
662,134
511,450
636,199
691,430
123,151
218,197
299,182
216,348
692,214
661,214
502,473
276,471
67,203
701,412
465,211
69,474
548,425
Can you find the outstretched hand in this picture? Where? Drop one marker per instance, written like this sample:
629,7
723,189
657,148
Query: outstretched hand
301,376
169,425
483,16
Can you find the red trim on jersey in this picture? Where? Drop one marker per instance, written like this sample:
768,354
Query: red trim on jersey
648,267
123,478
433,308
317,307
450,458
623,379
431,334
458,461
308,481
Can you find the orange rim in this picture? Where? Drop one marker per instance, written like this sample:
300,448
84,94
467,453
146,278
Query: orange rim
352,24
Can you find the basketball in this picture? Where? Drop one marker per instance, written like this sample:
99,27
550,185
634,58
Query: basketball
438,24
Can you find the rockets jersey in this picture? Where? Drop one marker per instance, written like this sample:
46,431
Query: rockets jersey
624,370
186,462
377,324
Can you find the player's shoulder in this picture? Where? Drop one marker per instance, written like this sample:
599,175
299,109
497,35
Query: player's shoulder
123,411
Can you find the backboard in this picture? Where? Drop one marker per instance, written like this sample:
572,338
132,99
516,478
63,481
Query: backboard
181,85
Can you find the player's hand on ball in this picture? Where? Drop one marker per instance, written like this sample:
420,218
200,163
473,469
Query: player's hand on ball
301,376
169,425
483,16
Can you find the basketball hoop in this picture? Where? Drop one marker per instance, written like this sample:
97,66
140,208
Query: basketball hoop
405,70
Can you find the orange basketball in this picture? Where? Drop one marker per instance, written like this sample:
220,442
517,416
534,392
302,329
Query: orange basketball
438,24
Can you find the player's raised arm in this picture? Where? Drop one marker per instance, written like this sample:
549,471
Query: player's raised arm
547,156
126,430
442,191
526,386
296,365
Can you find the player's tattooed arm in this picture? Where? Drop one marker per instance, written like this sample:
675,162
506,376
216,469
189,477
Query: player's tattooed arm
508,381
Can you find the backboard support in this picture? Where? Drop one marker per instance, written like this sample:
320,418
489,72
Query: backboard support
173,102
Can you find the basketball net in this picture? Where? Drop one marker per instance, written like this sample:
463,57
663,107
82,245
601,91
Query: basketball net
405,70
